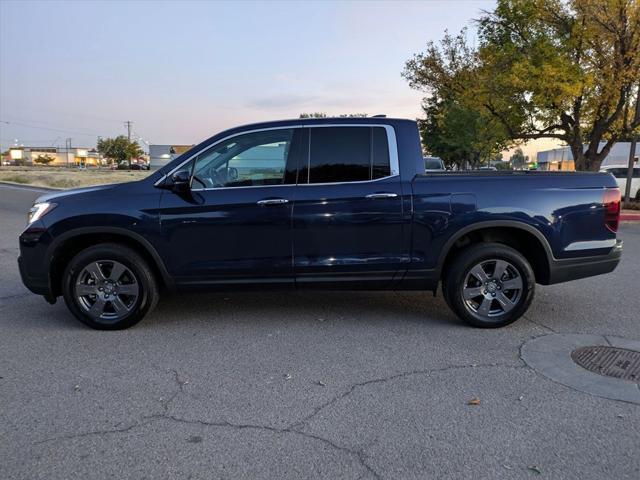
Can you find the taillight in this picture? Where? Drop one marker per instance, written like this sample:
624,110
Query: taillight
611,201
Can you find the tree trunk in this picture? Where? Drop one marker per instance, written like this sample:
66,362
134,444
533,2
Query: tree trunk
579,159
594,160
590,160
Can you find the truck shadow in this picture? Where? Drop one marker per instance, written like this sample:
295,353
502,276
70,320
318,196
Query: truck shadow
277,309
286,307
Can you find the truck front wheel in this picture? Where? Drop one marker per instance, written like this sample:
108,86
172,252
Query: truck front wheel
489,285
109,287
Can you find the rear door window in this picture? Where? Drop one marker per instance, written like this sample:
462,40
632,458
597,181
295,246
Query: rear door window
347,154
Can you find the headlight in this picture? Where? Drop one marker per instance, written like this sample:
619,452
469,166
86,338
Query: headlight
39,210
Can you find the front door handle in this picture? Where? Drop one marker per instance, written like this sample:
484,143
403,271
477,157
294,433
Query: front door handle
273,201
382,195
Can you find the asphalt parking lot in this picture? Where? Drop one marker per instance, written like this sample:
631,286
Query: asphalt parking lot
306,385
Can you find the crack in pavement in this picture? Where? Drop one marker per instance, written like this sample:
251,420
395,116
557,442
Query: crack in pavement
147,420
359,454
180,383
292,429
300,423
165,405
540,324
72,436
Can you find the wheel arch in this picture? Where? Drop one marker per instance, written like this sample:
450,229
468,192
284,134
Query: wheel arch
69,244
529,241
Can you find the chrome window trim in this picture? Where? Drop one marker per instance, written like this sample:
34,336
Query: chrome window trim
391,140
388,177
394,164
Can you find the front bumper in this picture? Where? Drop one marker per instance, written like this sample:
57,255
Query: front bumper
574,268
40,285
32,262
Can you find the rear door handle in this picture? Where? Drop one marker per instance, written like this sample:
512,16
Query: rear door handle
273,201
382,195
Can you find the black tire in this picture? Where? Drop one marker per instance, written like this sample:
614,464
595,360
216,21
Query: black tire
137,275
445,293
505,305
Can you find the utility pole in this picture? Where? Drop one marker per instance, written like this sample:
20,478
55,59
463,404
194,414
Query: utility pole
128,124
68,148
632,151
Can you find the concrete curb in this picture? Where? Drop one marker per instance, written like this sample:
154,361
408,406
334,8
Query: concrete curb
629,216
550,355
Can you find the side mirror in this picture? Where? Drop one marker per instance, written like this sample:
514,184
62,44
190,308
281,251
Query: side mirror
180,181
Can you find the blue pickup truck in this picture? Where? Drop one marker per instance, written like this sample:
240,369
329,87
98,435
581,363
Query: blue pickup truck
321,203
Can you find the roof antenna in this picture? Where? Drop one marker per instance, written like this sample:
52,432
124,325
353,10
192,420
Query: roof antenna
380,115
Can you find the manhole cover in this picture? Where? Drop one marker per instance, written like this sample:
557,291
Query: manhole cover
609,361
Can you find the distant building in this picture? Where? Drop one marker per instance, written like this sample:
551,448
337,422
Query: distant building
76,156
562,159
160,155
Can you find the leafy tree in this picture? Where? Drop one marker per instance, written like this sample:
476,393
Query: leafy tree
567,70
119,149
503,166
44,159
518,160
459,135
324,115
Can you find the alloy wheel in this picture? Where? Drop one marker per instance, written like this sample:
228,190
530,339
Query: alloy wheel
107,290
492,288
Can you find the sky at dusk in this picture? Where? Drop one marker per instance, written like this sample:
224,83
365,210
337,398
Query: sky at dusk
181,71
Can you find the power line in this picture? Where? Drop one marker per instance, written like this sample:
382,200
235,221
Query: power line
40,111
21,124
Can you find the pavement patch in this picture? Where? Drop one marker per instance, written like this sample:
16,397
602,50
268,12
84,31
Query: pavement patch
573,360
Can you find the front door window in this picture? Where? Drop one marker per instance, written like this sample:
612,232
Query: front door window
249,160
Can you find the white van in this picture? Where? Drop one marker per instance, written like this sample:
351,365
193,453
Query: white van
620,172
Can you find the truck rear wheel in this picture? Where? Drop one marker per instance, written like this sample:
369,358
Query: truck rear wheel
109,287
489,285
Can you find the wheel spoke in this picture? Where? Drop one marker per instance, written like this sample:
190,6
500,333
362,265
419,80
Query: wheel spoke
501,266
479,273
128,289
83,289
471,292
95,271
117,271
512,284
504,302
97,309
485,307
118,306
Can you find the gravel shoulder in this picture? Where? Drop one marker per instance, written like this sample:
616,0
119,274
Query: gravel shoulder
57,177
